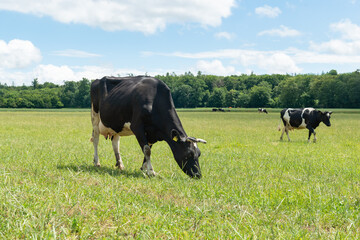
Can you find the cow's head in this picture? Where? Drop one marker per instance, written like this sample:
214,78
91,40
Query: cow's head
325,118
186,153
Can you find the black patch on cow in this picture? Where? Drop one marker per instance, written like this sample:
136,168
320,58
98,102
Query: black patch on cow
295,118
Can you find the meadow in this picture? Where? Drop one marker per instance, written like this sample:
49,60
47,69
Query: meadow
253,186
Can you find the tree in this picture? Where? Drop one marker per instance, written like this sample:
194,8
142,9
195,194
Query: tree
35,83
352,90
260,95
217,98
82,97
68,94
182,95
304,90
243,100
333,72
289,93
231,98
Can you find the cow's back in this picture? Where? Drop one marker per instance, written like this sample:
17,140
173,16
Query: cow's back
120,99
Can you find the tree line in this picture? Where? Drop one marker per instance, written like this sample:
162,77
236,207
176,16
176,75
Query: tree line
327,90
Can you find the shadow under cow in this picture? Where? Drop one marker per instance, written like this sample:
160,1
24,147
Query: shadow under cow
102,170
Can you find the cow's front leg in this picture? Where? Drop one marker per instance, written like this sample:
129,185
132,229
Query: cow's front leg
138,130
147,167
311,131
115,145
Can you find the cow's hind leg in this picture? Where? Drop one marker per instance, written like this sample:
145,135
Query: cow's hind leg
115,144
95,140
95,119
282,133
287,133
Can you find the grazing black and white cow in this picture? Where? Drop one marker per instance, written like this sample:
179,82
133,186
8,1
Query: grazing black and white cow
141,106
301,118
262,110
218,109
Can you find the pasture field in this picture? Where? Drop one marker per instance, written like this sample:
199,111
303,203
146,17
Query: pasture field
253,186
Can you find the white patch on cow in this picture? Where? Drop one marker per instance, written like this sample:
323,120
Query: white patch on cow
126,131
328,115
108,132
307,109
302,125
286,116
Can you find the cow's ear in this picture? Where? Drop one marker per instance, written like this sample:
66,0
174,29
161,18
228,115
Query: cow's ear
330,113
175,136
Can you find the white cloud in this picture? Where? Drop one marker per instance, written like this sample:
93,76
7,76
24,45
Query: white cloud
278,63
18,54
347,44
54,74
214,67
59,74
313,57
347,29
270,61
283,31
75,53
225,35
338,47
137,15
267,11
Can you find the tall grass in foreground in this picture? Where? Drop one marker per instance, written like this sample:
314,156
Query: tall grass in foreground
253,185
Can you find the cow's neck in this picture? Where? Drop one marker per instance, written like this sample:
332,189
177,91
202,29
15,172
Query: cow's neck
171,122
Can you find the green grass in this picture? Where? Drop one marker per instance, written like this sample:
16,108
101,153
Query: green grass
253,185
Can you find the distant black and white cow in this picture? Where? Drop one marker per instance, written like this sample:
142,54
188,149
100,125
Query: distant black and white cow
262,110
302,118
141,106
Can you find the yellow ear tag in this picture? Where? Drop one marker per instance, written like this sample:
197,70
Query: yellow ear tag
175,138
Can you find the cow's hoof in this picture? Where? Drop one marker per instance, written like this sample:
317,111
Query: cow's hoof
97,164
151,173
120,166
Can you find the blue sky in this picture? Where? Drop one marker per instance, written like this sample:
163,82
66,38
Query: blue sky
63,40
